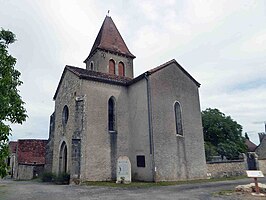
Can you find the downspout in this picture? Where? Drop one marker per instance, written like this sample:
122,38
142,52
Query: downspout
146,75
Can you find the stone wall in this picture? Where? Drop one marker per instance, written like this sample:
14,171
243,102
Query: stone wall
101,62
67,95
225,169
27,172
261,149
262,166
139,131
176,157
100,147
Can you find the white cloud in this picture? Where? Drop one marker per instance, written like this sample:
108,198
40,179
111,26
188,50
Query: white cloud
221,43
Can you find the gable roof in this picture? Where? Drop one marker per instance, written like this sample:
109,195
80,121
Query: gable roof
31,151
110,39
160,67
251,146
93,75
114,79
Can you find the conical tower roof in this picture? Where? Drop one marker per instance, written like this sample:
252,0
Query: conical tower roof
110,39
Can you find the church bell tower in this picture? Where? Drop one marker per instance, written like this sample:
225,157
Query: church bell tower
109,53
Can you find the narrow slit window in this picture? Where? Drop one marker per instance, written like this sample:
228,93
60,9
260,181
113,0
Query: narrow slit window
178,119
65,115
111,114
91,66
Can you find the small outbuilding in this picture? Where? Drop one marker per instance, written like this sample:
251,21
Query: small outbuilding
29,159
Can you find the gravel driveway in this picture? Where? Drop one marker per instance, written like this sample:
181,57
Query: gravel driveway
22,190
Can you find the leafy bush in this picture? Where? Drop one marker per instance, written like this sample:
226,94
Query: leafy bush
62,178
222,135
210,151
48,177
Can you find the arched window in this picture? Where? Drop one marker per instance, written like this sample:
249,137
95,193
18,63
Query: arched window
111,114
111,66
91,66
121,69
178,119
63,158
65,115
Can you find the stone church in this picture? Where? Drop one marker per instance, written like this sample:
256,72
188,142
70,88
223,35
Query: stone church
103,112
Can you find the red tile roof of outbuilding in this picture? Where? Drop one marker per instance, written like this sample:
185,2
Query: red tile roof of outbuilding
31,151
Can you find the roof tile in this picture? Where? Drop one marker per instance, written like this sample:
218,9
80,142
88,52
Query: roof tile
31,151
110,39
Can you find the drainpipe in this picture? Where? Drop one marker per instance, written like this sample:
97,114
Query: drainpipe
146,75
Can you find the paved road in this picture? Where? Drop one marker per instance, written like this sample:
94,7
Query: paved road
22,190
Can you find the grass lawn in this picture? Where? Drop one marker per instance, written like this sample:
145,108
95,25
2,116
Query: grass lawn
152,184
3,191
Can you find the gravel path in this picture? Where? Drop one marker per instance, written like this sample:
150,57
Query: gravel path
22,190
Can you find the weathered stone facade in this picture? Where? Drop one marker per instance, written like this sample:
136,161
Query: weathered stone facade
262,166
143,119
261,149
100,62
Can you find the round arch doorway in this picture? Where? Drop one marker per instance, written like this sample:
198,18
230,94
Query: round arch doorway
63,158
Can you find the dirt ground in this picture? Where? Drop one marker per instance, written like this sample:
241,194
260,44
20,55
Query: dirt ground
30,190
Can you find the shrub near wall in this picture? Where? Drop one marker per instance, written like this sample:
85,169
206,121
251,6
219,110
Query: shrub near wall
226,169
48,177
61,178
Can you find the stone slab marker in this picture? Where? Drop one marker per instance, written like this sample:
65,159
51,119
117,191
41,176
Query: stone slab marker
123,170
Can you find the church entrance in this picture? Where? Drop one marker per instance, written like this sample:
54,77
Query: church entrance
63,158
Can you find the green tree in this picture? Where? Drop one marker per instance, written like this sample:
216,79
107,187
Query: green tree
222,134
11,104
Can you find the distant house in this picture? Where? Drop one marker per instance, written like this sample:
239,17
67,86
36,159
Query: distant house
30,158
261,149
250,145
261,152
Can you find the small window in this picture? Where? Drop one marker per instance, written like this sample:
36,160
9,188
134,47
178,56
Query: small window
111,66
111,114
121,69
91,66
140,161
178,119
65,115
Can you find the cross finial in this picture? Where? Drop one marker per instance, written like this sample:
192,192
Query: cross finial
108,13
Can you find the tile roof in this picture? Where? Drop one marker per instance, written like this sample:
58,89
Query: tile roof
160,67
114,79
93,75
12,146
110,39
31,151
251,146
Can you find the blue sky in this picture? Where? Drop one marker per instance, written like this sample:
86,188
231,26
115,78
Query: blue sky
222,44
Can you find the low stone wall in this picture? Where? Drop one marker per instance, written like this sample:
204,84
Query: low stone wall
226,169
27,172
262,166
